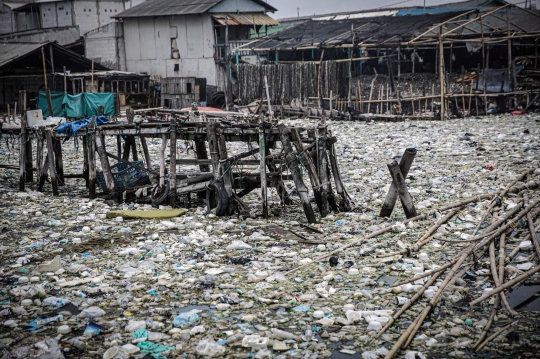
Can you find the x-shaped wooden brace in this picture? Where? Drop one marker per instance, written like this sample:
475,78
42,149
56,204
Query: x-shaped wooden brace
398,187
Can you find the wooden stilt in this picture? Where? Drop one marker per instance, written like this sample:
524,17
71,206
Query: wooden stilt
264,183
404,195
164,140
312,172
58,161
22,154
50,156
172,170
442,74
226,171
118,146
202,153
105,165
85,160
323,173
29,161
278,183
404,166
345,205
91,145
144,146
39,155
295,172
371,91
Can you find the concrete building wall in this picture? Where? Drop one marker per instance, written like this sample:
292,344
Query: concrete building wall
149,46
27,21
106,46
64,36
90,15
7,20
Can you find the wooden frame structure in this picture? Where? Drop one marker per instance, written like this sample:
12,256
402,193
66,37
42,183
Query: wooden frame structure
484,26
223,177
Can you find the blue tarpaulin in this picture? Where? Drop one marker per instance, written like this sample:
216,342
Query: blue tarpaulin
71,128
75,106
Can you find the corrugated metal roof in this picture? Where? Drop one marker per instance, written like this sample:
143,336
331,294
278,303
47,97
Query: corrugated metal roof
244,19
12,51
176,7
168,7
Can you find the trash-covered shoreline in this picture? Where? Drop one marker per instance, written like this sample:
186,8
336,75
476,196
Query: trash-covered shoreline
79,284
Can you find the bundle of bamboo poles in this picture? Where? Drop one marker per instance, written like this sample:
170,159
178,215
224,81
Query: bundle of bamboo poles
476,247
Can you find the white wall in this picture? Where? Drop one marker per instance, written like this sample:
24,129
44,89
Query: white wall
148,46
90,15
106,46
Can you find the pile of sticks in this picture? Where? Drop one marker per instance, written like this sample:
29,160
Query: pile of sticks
476,247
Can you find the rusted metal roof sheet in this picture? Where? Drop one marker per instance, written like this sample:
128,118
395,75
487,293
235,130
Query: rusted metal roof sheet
176,7
244,19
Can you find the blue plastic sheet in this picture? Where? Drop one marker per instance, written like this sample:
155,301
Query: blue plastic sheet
71,128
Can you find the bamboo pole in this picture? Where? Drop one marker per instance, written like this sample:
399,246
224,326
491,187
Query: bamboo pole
495,275
371,91
441,73
484,66
172,164
495,335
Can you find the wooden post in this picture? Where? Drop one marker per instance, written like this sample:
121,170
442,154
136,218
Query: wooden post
340,188
144,146
484,67
371,91
399,62
50,156
262,154
202,153
119,146
268,98
105,165
92,90
319,80
331,100
404,195
391,197
361,108
65,81
225,171
441,73
413,59
85,159
47,91
39,154
91,144
412,101
292,162
59,161
280,186
164,140
172,170
213,146
22,154
312,172
324,177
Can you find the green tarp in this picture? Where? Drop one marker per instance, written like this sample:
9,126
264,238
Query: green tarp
75,106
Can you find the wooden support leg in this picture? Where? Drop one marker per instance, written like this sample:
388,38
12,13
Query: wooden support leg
340,188
172,170
280,186
225,171
22,154
91,144
404,195
85,160
162,160
105,165
323,175
39,155
202,154
264,183
295,171
404,166
29,160
119,146
146,153
133,143
58,161
329,191
50,156
313,175
43,174
127,148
